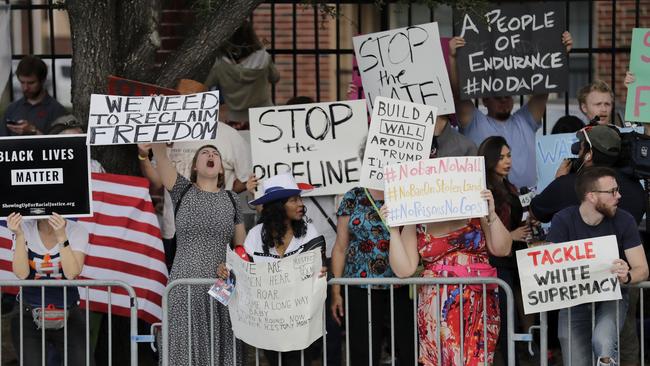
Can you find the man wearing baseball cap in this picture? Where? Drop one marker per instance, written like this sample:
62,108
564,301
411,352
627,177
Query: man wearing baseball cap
596,146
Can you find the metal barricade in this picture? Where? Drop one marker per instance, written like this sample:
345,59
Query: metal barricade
505,294
87,284
620,320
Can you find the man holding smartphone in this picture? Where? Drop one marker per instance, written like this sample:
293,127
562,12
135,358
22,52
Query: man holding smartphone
34,112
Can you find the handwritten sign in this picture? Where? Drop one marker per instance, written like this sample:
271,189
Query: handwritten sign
637,108
118,120
405,64
318,142
512,49
550,151
278,305
567,274
432,190
399,132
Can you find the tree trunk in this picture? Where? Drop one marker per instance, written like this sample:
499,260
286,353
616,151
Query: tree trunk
121,38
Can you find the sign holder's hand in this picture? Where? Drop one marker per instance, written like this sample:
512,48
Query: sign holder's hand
567,41
58,223
620,268
14,221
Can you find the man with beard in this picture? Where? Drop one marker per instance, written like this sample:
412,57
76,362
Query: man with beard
596,101
517,128
34,112
596,146
598,215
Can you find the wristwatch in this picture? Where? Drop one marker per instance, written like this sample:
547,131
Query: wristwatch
65,243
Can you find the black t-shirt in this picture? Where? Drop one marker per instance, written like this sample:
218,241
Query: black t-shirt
561,194
567,225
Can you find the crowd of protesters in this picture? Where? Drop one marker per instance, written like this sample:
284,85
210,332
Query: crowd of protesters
202,218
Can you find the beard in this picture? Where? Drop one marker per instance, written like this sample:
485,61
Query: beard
502,116
606,211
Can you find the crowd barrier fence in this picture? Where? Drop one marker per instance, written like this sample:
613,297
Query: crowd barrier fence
87,284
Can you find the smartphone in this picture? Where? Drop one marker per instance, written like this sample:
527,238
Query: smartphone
11,121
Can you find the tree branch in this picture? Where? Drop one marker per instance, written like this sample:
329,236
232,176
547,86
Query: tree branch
199,48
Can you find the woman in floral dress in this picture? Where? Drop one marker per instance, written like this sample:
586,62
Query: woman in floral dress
457,248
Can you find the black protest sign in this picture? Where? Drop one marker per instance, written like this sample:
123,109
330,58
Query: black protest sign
45,174
318,142
115,120
513,49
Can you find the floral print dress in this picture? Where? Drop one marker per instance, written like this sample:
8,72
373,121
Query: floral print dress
460,247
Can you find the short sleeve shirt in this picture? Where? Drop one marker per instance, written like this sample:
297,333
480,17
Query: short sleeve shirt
45,264
367,253
519,131
567,225
255,247
41,114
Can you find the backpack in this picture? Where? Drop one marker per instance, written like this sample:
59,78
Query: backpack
634,159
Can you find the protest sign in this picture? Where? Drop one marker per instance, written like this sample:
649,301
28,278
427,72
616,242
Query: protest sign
637,108
405,64
278,305
550,151
512,49
399,132
117,120
431,190
318,142
121,86
563,275
44,174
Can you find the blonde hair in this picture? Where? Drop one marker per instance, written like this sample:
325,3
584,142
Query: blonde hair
596,85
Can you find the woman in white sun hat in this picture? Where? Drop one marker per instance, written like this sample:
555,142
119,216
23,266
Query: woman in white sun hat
281,232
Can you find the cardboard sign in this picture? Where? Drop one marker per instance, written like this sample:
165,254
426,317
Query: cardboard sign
121,86
278,305
399,132
116,120
405,64
318,142
563,275
513,49
40,175
637,108
432,190
550,151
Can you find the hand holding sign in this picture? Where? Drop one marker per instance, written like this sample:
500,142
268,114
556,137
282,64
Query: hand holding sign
14,222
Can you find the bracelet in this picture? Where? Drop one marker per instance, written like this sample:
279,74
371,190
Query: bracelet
142,158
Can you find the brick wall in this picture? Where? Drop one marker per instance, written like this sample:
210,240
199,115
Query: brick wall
176,15
625,15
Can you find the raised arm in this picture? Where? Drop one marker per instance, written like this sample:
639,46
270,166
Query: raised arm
497,237
164,166
464,108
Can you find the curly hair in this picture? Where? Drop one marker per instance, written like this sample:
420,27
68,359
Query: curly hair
273,227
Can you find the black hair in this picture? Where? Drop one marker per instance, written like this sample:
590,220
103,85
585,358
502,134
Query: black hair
32,65
567,124
242,43
273,219
490,149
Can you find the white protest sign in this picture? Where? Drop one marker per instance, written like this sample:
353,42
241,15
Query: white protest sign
432,190
406,64
115,120
318,142
278,305
562,275
399,132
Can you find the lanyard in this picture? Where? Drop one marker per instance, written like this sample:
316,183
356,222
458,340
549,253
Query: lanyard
375,207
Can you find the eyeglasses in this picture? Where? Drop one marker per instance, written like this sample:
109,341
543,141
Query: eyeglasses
612,191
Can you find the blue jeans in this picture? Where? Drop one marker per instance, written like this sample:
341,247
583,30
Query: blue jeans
581,341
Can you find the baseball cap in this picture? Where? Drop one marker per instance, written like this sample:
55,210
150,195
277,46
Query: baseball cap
605,139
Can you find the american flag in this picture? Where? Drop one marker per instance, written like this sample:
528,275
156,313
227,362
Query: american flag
125,245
